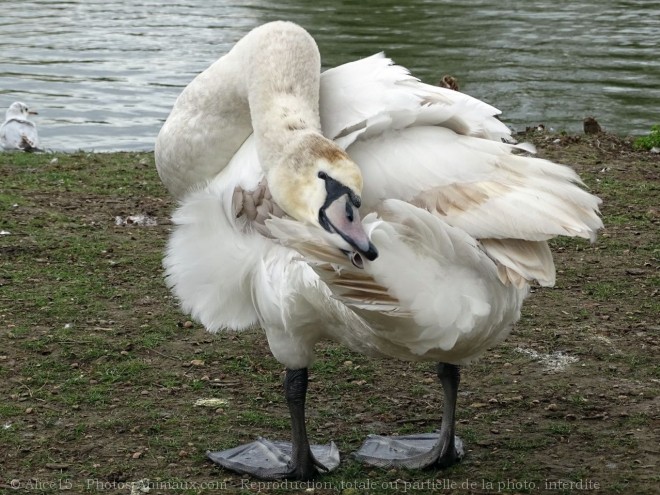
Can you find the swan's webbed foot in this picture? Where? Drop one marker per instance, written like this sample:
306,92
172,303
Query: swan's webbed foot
283,460
440,449
411,451
273,460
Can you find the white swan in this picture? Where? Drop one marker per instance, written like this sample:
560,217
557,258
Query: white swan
268,231
18,132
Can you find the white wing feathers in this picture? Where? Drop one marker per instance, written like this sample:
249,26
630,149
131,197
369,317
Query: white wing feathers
520,262
368,96
478,185
443,151
427,275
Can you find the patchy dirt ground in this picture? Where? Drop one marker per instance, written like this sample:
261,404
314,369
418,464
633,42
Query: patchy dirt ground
100,374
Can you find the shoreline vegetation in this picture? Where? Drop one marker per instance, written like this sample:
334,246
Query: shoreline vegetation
108,387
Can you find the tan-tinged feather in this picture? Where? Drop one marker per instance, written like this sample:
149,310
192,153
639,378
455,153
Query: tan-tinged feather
453,199
520,261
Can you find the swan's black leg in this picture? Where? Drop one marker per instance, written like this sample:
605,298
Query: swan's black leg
303,464
424,450
278,460
450,377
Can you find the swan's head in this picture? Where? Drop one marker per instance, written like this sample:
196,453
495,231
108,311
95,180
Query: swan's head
319,184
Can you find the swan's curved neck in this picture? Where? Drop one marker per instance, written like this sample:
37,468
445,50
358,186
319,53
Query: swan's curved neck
282,80
267,84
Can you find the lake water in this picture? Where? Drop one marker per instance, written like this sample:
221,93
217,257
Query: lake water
104,74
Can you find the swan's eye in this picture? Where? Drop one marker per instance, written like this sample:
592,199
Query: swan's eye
323,175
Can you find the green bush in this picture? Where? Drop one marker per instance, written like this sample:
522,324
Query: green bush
650,141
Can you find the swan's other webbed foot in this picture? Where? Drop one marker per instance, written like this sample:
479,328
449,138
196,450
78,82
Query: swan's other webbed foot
410,451
283,460
273,460
440,449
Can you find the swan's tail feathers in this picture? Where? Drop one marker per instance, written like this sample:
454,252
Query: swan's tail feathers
526,147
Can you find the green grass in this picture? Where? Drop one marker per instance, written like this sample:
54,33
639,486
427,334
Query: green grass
650,141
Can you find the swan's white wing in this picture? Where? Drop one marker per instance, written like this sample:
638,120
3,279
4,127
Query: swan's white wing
478,185
481,187
371,95
443,151
18,134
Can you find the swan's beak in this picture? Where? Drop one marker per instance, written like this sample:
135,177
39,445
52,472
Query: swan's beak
342,216
32,112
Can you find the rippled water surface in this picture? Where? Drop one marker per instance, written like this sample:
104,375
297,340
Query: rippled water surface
104,74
